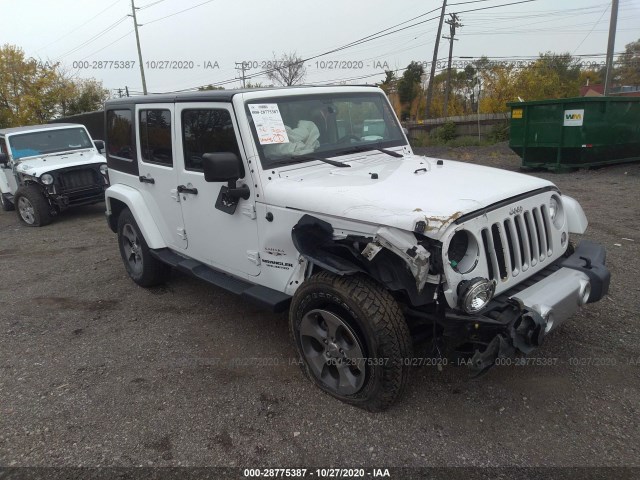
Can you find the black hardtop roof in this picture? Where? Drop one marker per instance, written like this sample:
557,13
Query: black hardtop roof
208,95
34,128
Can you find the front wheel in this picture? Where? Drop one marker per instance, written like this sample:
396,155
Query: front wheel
352,339
141,266
32,207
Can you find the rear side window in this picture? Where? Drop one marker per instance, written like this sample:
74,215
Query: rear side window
206,131
155,136
119,135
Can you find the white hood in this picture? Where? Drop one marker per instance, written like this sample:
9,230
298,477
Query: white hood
407,190
38,165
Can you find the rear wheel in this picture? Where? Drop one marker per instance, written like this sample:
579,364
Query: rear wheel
6,205
32,207
141,266
352,339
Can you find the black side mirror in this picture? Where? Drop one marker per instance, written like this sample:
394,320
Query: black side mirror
99,145
225,167
4,158
221,167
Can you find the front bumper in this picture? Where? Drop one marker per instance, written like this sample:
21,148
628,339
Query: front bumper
517,321
582,278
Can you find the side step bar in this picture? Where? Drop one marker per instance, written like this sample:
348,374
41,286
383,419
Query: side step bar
262,296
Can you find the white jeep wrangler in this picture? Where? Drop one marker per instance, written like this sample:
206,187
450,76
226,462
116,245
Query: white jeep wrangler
311,200
44,169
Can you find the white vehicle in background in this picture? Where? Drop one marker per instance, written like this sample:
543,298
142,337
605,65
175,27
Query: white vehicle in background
45,169
311,200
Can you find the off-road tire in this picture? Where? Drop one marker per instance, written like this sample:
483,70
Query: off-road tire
5,204
377,321
32,207
142,267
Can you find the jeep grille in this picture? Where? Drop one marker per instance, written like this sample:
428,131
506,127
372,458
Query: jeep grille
514,241
75,180
514,244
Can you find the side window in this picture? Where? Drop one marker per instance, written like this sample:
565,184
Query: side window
3,146
206,131
119,134
155,136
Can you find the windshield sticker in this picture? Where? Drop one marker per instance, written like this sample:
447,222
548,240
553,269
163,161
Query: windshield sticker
269,124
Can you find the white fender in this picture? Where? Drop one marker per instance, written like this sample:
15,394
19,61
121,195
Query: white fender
4,184
133,199
576,219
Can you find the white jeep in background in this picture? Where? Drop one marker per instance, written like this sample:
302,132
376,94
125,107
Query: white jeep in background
311,200
44,169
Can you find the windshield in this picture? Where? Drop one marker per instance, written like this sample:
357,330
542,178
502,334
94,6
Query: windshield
48,141
298,128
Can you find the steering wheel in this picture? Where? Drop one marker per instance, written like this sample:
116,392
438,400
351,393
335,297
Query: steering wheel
348,137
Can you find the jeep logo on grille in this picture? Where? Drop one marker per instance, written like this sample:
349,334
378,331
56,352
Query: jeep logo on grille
515,210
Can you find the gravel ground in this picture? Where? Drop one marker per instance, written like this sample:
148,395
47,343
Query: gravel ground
96,371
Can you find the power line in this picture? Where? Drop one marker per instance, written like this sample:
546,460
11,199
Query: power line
177,13
92,39
150,4
108,45
592,28
496,6
472,1
73,30
368,38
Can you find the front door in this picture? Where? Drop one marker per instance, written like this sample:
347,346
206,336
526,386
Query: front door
158,171
220,239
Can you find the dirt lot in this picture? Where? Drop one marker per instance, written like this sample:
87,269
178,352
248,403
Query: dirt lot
97,371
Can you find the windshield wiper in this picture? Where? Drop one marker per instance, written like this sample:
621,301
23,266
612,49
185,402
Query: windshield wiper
294,158
60,153
368,148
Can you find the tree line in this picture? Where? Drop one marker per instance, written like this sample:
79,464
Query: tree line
494,84
32,92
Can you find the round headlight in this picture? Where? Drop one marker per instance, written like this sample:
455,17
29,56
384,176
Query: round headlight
103,169
475,294
555,212
47,179
553,208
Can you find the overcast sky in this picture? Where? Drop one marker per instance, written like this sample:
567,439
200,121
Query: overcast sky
212,35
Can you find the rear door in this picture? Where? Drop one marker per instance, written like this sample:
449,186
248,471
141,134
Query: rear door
223,240
155,129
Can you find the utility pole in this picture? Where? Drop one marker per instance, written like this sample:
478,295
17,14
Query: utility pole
242,67
453,24
478,101
127,90
119,93
135,26
433,63
610,46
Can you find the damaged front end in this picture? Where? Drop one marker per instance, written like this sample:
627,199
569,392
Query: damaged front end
396,259
482,325
408,266
508,330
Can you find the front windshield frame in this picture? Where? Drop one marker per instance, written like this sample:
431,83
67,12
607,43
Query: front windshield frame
395,137
27,150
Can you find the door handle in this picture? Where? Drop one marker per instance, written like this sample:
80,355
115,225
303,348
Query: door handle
183,189
144,179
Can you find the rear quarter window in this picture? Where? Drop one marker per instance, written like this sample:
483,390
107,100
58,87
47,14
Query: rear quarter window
120,135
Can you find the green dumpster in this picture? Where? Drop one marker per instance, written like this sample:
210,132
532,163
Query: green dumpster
569,133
